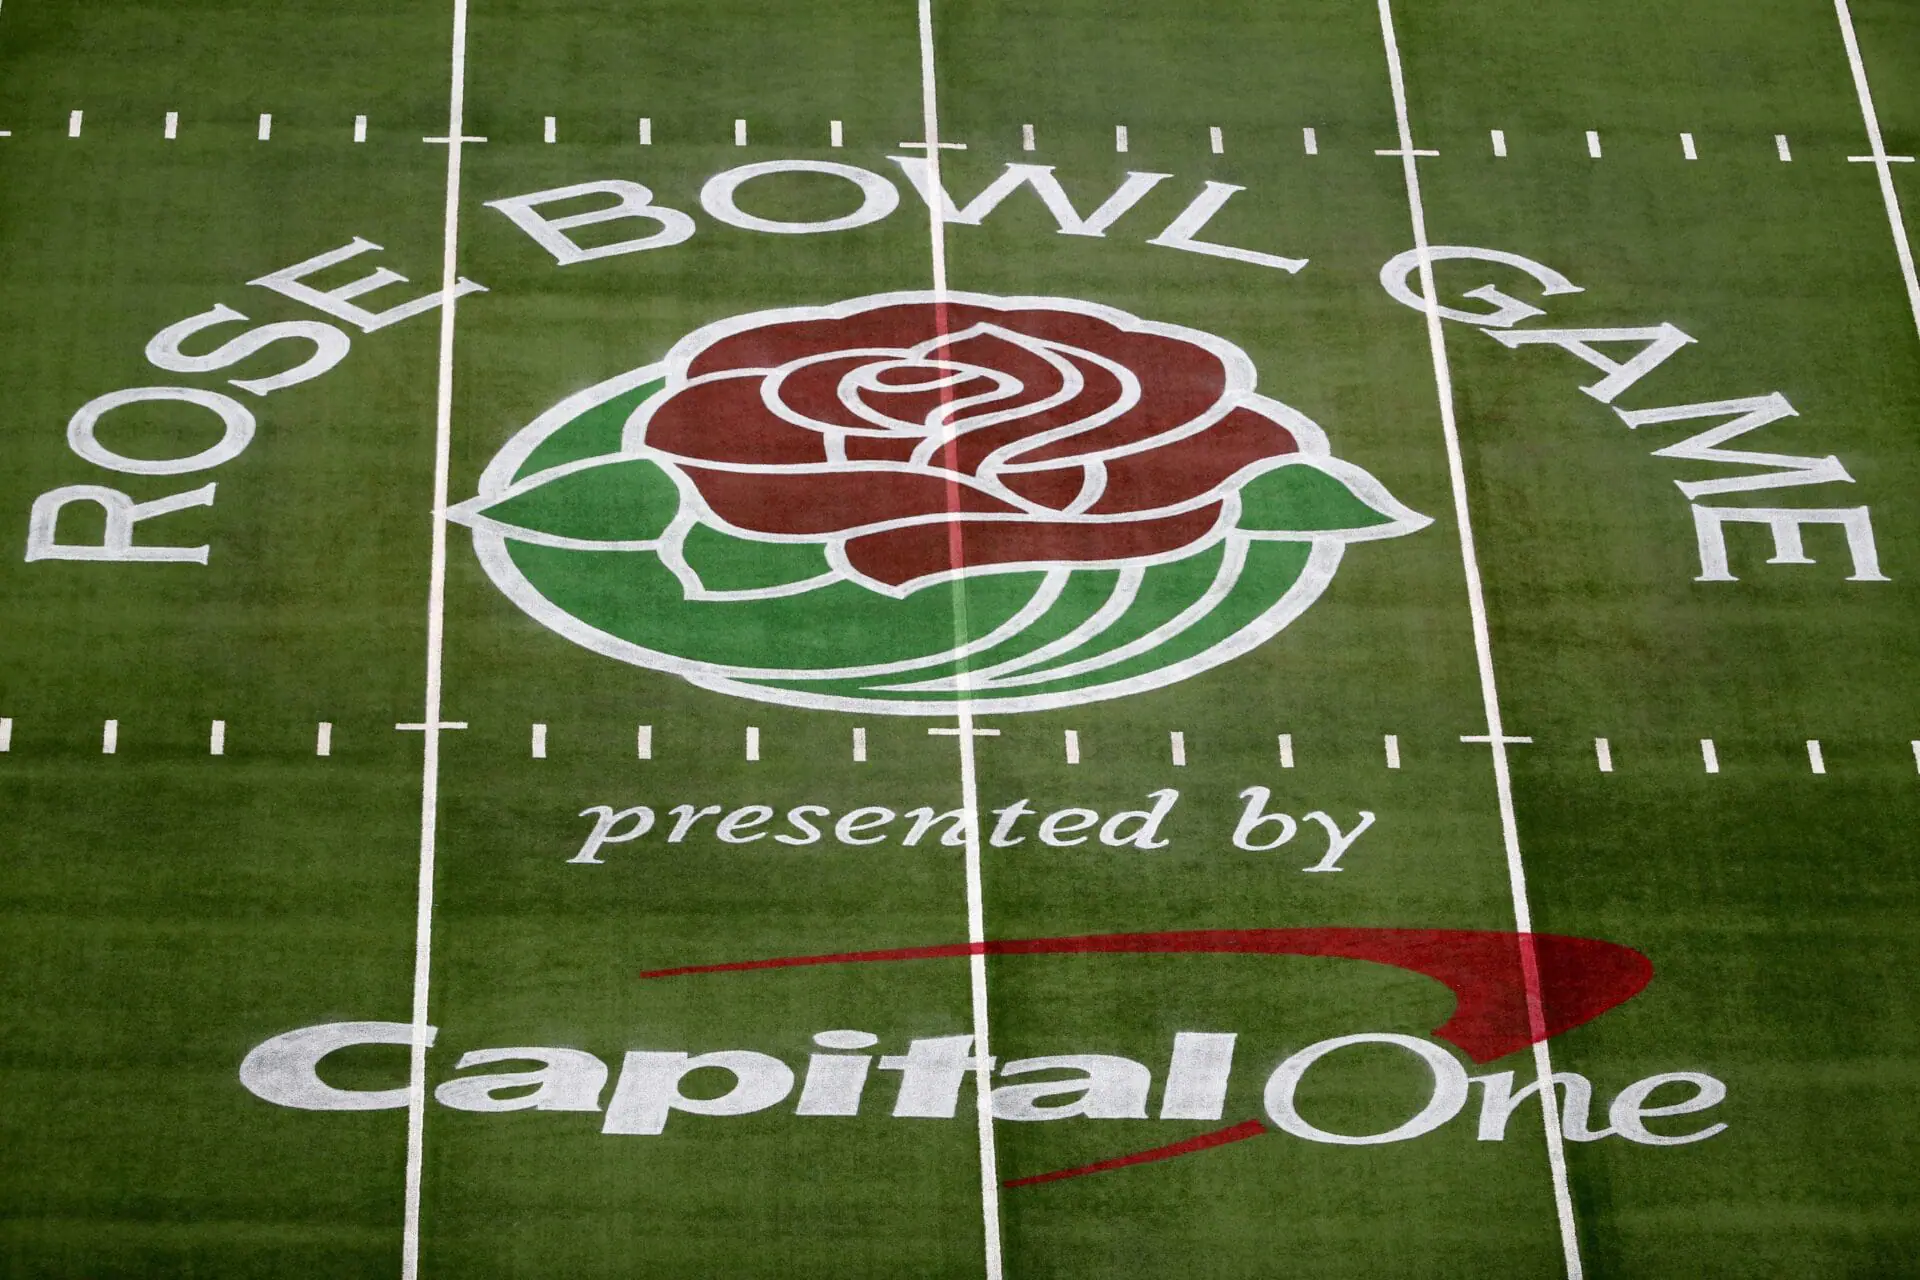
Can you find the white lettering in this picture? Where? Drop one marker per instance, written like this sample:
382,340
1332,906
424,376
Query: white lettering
1338,841
1661,341
1709,529
1747,414
633,201
330,347
1255,816
122,513
1184,231
288,282
1449,1091
567,1080
1498,1102
285,1069
649,1088
236,433
878,197
1147,822
1045,185
1197,1076
931,1072
1630,1110
603,832
835,1081
1108,1088
1507,310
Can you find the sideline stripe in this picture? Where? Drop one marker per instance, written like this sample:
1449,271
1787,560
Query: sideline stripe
1218,1138
963,708
1880,159
1483,652
430,723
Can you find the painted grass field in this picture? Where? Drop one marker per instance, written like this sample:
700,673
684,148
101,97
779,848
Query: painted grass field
1009,640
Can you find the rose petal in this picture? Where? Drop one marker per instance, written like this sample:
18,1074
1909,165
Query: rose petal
882,448
1189,467
805,503
898,556
813,391
726,421
1055,488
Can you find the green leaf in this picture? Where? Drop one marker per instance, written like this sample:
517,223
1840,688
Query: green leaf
595,432
1300,498
627,500
727,563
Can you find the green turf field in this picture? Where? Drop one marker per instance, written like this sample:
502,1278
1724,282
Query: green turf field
1234,585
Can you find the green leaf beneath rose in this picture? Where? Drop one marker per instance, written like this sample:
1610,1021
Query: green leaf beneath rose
1300,498
727,563
629,500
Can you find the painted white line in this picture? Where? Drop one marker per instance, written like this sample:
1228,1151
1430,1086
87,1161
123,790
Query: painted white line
1177,741
6,133
323,739
550,131
6,734
539,744
646,131
1816,759
739,133
1120,137
1686,147
431,725
1780,146
73,123
217,739
1072,738
1026,137
1709,755
643,742
1392,744
1311,141
1215,141
359,128
964,731
1286,751
171,129
859,746
753,742
1500,143
1603,754
109,737
1593,144
1916,755
1496,736
1880,160
836,134
265,132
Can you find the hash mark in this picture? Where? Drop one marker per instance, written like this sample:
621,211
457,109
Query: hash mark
1709,756
552,131
1393,750
1216,141
646,131
359,128
1780,146
539,742
1026,137
1686,147
1120,138
1816,759
1593,144
1178,740
109,737
835,135
1286,751
266,126
643,742
1603,753
217,739
323,739
171,129
859,746
1500,143
739,133
73,123
753,742
1311,141
1073,746
6,734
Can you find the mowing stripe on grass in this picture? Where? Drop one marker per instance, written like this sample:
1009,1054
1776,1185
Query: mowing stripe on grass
430,723
1881,161
963,707
1497,739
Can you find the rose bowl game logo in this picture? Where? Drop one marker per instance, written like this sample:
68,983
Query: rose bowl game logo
899,501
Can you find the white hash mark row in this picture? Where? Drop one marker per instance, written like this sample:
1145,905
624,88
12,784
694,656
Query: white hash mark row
836,136
1070,742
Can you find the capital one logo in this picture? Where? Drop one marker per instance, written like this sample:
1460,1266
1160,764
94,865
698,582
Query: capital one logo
781,508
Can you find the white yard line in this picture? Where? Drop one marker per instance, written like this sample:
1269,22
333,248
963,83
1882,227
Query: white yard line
1881,161
963,711
430,724
1496,737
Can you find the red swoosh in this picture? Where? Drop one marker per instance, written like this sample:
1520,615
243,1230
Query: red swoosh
1218,1138
1578,978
